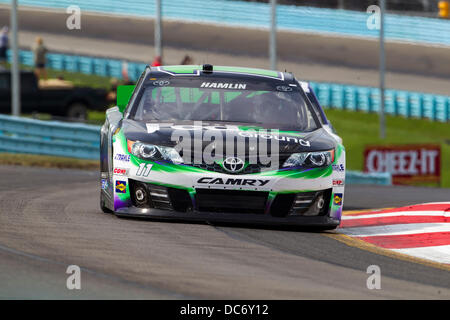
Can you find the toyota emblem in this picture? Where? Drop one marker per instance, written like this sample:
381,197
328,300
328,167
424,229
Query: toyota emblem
233,164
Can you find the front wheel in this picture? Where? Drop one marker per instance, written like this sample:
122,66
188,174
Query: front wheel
102,205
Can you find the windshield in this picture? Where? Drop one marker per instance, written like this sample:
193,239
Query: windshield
276,105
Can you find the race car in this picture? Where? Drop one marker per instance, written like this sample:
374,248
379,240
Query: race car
221,144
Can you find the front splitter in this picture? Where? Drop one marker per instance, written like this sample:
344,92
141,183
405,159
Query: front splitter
246,218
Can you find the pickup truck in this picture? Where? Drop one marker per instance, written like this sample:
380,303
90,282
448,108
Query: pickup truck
56,97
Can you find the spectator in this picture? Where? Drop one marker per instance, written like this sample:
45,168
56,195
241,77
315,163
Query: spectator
112,93
125,71
157,61
40,52
187,60
3,45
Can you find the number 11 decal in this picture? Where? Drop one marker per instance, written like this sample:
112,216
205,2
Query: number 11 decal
144,169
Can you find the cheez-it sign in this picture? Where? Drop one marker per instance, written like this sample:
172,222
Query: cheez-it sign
408,164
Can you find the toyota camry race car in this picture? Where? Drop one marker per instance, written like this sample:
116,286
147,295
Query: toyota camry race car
221,144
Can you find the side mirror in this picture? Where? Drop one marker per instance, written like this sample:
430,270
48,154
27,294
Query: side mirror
124,94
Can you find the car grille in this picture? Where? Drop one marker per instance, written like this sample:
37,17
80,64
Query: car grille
303,201
251,168
229,201
299,203
161,197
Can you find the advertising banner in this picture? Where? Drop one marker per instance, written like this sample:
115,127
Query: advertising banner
408,164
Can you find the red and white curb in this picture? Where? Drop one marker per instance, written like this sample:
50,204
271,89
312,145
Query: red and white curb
421,231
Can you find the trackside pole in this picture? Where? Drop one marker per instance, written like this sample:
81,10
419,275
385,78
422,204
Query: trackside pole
382,70
15,73
273,35
158,29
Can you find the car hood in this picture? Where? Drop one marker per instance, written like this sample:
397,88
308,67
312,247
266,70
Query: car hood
171,134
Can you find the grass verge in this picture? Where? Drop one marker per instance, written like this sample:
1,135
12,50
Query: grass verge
33,160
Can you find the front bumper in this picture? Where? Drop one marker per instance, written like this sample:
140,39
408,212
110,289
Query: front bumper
232,206
246,218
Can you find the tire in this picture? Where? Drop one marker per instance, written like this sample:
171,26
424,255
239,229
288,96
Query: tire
77,111
102,200
102,205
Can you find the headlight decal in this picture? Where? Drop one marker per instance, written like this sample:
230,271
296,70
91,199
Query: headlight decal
310,159
153,152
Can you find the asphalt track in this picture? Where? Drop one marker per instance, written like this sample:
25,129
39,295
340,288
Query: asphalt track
50,219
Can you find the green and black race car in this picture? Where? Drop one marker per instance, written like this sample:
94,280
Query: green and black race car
221,144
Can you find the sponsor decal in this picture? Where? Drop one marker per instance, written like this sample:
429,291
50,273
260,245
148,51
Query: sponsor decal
121,186
337,199
338,167
161,83
233,164
222,85
267,135
284,88
144,169
152,127
122,157
233,182
408,164
121,171
338,182
104,184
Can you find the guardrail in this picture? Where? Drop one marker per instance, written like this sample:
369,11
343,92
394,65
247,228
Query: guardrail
331,95
23,135
251,14
356,177
75,140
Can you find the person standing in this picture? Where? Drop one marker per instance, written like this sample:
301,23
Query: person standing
187,60
4,42
40,52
